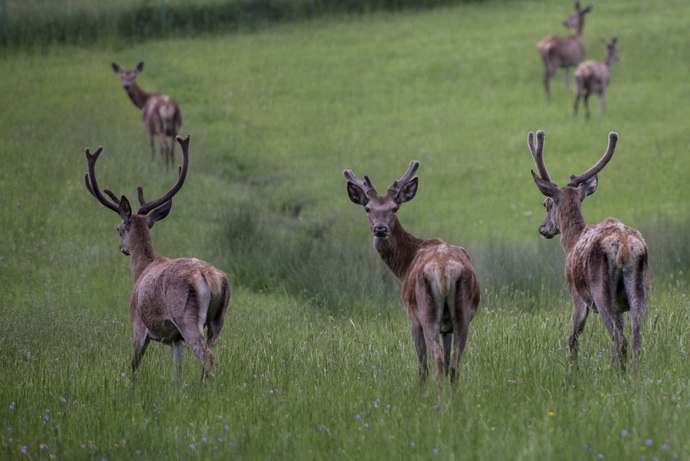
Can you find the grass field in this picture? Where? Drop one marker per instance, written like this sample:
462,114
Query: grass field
316,359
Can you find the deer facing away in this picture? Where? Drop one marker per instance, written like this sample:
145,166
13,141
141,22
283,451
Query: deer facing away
172,300
440,290
564,51
592,77
160,113
606,267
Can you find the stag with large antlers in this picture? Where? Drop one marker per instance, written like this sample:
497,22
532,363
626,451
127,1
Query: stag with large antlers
440,289
160,113
564,51
606,264
173,300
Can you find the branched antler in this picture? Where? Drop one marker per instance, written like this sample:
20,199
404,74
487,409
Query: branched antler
538,154
365,185
397,185
145,207
92,184
576,180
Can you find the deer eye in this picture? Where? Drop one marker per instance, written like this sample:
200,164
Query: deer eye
367,209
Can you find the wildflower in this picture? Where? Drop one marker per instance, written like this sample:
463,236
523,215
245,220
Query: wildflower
664,447
43,446
24,449
192,446
204,439
551,413
435,451
412,444
585,447
12,405
624,432
137,452
63,400
123,374
282,361
226,428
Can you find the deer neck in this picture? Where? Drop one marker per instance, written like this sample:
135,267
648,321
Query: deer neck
580,28
138,96
572,223
140,247
398,250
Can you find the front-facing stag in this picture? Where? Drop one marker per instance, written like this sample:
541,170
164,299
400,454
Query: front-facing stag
173,300
440,289
160,113
592,77
605,264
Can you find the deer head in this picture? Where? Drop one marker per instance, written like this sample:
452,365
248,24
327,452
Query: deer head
563,203
611,50
575,20
381,209
128,76
149,212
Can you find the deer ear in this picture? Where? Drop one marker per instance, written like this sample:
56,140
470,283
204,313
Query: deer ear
356,194
408,191
125,209
547,188
140,66
116,68
158,214
588,187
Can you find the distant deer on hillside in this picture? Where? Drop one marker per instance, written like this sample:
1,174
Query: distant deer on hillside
172,300
440,289
592,77
160,113
605,264
564,51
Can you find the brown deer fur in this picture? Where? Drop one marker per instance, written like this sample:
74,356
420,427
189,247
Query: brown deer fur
440,290
564,51
172,300
160,113
592,77
606,264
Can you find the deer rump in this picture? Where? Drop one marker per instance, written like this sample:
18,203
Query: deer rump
169,305
613,253
442,284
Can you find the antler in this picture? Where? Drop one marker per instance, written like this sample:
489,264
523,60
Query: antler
576,180
397,185
538,154
145,207
92,184
366,185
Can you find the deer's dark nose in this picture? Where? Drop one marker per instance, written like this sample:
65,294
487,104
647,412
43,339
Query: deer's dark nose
380,231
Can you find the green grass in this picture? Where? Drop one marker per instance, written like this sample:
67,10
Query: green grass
316,359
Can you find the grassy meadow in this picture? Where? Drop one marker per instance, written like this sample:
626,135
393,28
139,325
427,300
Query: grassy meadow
316,360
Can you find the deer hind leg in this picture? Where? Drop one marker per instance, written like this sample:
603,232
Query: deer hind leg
177,356
602,103
613,321
586,104
637,299
194,337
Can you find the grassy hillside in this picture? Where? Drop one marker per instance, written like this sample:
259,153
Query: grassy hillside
316,359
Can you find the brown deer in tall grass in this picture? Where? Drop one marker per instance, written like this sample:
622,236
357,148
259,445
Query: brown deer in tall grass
440,289
592,77
160,113
173,300
564,51
605,264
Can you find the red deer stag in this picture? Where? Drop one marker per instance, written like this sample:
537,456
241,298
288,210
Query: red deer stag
605,264
592,77
160,113
172,299
440,290
564,51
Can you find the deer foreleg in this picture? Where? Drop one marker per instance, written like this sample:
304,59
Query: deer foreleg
141,342
586,104
580,313
420,346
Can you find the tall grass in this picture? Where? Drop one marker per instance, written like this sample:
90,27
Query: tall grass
316,359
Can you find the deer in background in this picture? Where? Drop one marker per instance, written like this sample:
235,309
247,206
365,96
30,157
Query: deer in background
564,51
440,289
605,264
160,113
173,300
592,77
